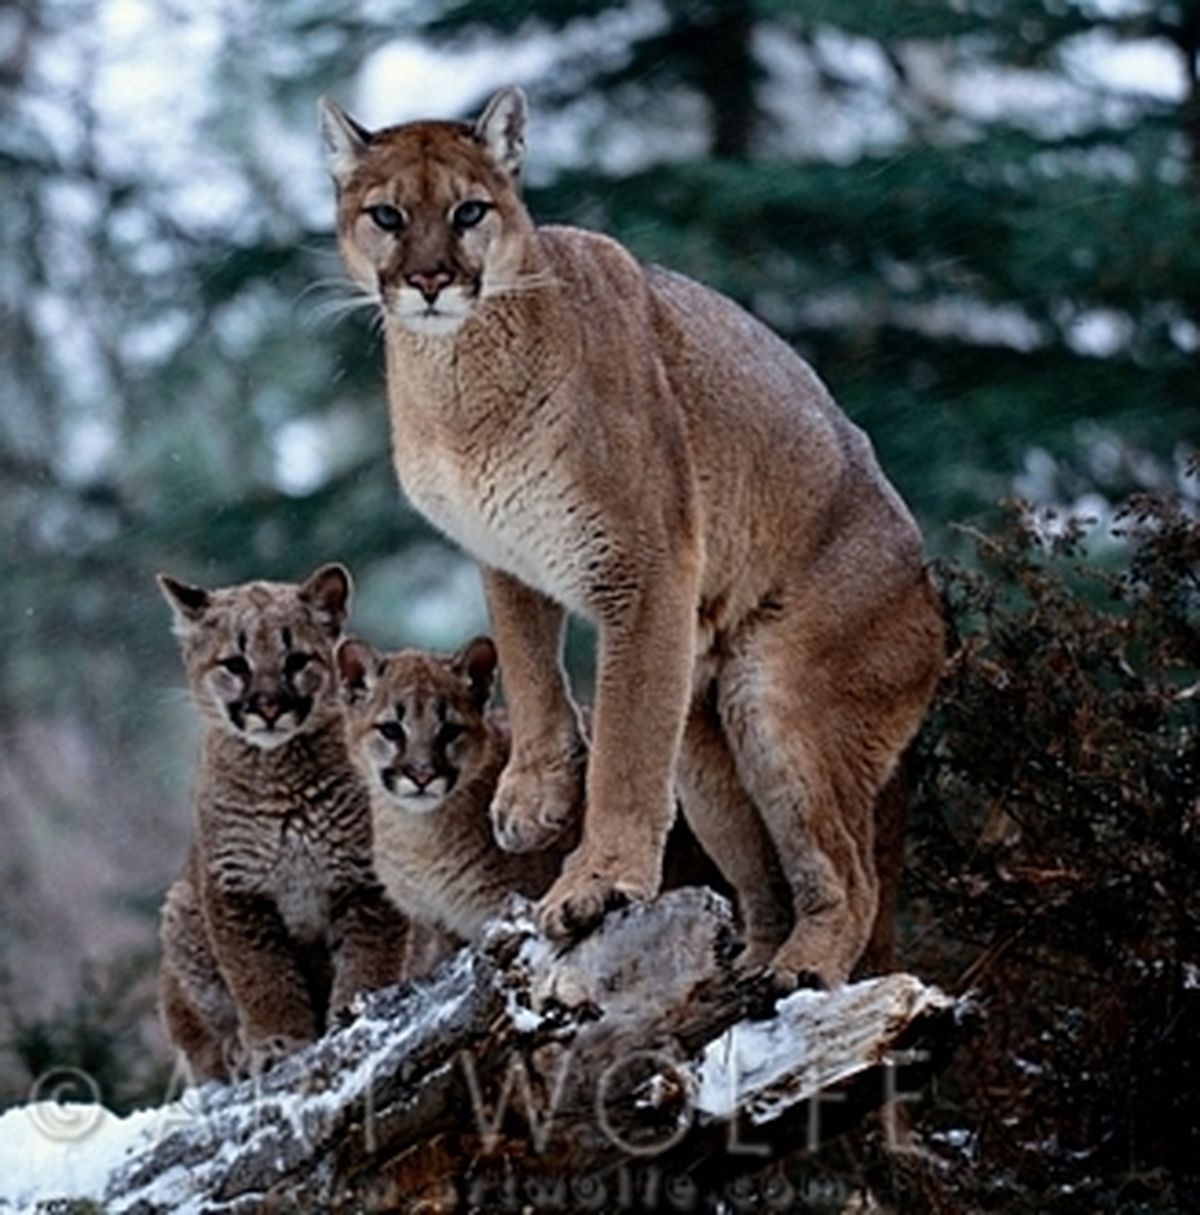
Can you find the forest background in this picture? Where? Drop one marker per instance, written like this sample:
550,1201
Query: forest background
979,220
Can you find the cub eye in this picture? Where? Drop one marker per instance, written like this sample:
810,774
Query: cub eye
449,731
235,664
393,731
293,664
387,217
468,214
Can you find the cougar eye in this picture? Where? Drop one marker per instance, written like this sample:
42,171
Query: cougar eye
235,664
293,664
387,217
448,733
468,214
393,731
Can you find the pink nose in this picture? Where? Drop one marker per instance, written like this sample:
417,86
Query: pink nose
429,284
419,774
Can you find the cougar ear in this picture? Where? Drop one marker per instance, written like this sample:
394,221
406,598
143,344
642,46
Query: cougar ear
328,591
357,666
345,140
188,602
501,129
476,663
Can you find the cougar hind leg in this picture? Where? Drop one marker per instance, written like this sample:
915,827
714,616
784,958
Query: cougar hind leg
817,708
728,827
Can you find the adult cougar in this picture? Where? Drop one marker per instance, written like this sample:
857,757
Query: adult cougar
622,442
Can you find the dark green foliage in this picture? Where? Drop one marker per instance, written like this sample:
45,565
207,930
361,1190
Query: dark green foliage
1055,846
936,270
947,277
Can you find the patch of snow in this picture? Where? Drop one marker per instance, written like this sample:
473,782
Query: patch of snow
753,1065
1150,67
50,1150
1100,332
751,1055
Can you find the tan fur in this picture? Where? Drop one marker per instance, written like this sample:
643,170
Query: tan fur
278,919
622,442
418,726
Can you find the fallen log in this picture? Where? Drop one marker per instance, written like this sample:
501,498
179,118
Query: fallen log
522,1077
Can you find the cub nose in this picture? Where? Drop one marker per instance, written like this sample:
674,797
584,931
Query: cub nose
267,706
429,282
419,774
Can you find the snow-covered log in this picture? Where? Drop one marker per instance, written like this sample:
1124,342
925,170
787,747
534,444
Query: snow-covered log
519,1075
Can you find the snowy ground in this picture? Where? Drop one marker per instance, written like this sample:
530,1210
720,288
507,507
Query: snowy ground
48,1150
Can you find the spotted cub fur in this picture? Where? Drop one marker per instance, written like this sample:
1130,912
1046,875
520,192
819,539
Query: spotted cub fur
420,730
278,918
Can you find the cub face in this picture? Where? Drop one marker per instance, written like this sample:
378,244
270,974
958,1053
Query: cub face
415,721
259,656
429,219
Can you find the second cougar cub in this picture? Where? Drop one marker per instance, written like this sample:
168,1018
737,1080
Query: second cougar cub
419,728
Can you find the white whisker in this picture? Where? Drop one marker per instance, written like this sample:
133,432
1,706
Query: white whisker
524,283
340,298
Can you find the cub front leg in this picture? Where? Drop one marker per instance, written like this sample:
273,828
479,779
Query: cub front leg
255,956
643,685
197,1011
540,793
368,937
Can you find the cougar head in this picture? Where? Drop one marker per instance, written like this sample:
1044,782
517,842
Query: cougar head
416,722
259,656
429,218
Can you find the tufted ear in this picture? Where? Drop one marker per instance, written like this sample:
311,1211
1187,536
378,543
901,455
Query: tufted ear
328,591
345,140
501,129
476,662
357,667
188,602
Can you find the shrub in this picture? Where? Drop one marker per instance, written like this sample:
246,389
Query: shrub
1055,866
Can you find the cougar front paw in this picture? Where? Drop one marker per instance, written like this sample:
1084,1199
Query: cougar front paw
536,803
578,901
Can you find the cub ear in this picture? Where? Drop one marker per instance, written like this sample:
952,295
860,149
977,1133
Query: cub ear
476,662
328,591
187,602
345,140
357,665
501,129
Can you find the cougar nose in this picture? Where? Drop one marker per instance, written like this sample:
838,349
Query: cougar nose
429,282
267,706
419,774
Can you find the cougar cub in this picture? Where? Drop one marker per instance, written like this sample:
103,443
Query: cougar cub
419,728
277,919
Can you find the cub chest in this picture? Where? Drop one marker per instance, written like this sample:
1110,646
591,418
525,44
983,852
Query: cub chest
300,882
285,858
